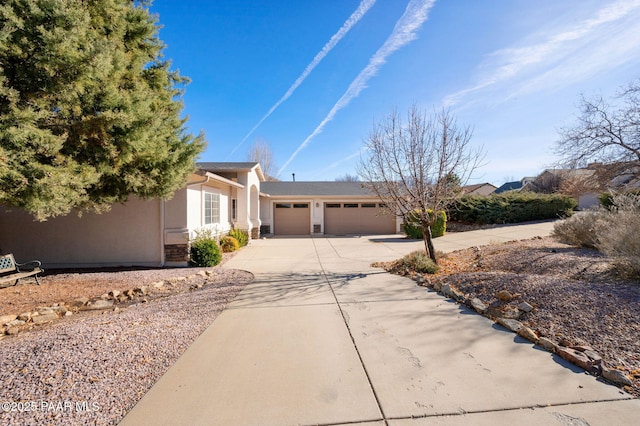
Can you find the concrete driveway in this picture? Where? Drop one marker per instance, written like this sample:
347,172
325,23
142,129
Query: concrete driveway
322,338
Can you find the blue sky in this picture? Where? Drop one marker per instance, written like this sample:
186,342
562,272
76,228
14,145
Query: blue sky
311,77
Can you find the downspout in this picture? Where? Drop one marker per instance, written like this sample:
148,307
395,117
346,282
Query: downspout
162,236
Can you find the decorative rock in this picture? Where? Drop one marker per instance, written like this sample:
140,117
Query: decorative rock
99,304
437,286
452,292
202,273
576,357
25,316
140,290
68,314
105,296
80,302
528,334
15,322
593,356
510,312
504,295
548,344
478,305
157,284
7,318
616,376
525,307
510,324
43,318
114,293
46,311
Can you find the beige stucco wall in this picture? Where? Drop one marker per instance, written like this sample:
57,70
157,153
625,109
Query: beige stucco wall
129,234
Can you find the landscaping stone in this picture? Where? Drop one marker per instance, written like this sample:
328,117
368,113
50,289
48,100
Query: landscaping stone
202,273
25,316
510,324
576,357
528,334
504,295
510,312
452,292
114,293
548,344
43,318
99,304
7,318
478,305
616,376
80,302
525,307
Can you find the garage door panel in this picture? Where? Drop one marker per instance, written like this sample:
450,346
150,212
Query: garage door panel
292,219
357,218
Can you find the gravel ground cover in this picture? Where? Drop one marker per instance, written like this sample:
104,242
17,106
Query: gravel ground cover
93,367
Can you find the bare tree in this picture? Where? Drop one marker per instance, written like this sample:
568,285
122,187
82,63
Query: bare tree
260,152
607,133
409,166
348,178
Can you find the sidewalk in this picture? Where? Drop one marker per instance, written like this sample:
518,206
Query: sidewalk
321,337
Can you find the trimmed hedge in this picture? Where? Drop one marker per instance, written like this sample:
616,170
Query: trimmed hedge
229,244
511,207
411,225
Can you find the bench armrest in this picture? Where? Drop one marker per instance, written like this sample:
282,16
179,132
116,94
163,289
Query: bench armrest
28,266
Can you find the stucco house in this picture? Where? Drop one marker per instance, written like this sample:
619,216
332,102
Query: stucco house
218,196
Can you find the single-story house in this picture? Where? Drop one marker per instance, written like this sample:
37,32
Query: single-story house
218,196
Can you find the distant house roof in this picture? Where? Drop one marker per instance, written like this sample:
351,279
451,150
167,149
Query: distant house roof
230,167
339,189
509,186
480,188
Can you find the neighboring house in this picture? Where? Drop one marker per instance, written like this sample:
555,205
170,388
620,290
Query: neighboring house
218,196
518,185
479,189
290,208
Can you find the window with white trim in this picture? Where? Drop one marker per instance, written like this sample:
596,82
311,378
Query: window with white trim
211,208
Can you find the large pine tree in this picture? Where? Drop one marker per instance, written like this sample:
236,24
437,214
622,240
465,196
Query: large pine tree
89,109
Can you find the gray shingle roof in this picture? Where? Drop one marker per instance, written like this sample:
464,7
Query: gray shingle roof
225,166
354,189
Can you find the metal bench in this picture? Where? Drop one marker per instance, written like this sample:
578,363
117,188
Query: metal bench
10,270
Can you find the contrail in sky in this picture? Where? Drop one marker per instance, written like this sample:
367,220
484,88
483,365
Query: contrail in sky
403,33
362,9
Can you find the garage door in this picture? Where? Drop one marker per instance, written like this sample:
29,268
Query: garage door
357,218
292,219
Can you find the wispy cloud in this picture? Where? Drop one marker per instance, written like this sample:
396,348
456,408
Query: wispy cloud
404,32
362,9
533,66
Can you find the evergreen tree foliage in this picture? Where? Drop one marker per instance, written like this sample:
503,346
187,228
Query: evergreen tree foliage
89,110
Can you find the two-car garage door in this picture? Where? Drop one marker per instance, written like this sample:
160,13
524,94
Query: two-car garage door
357,218
339,218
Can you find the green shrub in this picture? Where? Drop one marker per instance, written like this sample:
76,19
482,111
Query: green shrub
510,207
241,236
412,228
205,250
417,261
229,244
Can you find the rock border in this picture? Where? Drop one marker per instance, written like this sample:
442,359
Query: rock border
13,324
582,356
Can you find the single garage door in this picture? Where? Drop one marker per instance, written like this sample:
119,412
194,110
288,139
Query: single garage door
292,219
357,218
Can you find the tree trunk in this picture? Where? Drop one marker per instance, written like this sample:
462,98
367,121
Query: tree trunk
428,243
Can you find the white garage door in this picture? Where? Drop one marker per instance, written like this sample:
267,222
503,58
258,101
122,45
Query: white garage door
357,218
292,219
